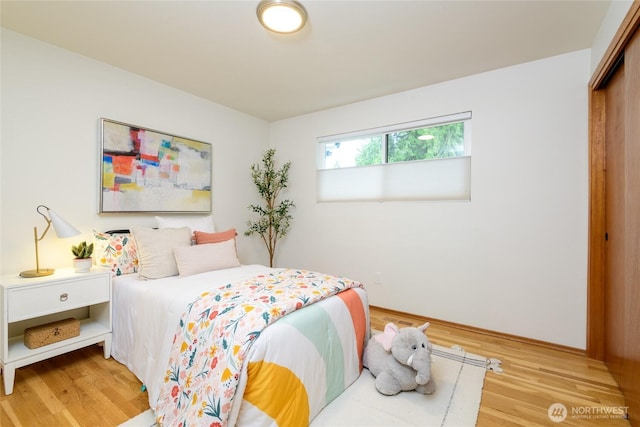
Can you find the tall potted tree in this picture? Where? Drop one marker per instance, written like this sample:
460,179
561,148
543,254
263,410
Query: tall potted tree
273,217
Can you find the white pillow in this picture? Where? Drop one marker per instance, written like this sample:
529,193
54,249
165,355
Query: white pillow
195,223
207,257
155,250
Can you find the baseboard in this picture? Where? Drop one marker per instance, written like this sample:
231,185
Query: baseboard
487,332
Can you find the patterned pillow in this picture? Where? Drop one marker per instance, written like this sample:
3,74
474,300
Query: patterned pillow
116,251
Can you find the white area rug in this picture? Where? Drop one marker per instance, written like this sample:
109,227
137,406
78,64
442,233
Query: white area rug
459,380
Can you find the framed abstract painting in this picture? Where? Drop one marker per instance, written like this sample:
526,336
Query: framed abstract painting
145,170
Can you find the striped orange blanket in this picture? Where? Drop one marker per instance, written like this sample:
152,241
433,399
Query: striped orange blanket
216,333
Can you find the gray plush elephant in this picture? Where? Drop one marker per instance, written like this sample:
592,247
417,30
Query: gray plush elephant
400,359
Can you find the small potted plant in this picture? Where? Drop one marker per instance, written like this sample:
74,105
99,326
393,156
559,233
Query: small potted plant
82,261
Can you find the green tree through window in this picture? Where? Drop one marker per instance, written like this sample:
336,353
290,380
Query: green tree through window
435,142
371,153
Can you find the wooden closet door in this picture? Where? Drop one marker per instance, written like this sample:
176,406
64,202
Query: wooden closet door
615,289
631,365
622,222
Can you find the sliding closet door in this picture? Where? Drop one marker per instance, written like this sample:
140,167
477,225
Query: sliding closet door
630,375
622,225
615,288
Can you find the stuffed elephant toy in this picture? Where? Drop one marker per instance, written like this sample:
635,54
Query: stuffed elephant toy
400,359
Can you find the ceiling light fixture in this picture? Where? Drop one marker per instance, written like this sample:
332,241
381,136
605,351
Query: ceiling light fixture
281,16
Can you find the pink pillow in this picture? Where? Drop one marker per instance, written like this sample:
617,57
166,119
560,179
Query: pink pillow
222,236
201,258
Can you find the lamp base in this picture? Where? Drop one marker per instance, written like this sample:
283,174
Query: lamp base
38,273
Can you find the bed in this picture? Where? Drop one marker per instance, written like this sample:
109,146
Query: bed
282,374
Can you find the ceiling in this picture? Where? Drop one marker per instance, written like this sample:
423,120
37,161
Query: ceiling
349,51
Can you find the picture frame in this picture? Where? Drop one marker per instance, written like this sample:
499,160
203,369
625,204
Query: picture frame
145,170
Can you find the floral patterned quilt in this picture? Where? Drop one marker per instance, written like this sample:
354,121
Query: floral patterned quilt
215,334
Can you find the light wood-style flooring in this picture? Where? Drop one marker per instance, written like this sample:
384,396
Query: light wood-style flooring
535,376
83,389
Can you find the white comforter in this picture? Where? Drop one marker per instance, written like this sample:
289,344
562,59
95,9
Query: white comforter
145,320
320,345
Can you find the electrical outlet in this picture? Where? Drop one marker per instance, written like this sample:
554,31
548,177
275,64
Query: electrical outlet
378,279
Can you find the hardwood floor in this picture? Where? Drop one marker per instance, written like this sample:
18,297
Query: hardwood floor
84,389
534,377
80,388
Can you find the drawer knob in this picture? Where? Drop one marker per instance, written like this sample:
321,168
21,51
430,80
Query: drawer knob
64,297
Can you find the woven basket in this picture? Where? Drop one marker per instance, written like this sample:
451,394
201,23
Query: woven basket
49,333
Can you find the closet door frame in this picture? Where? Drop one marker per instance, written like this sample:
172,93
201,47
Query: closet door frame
597,150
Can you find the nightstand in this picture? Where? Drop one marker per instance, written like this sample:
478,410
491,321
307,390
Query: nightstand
36,301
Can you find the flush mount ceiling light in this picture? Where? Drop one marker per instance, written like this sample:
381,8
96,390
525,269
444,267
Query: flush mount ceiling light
281,16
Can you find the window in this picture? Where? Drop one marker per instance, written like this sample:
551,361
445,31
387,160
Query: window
423,160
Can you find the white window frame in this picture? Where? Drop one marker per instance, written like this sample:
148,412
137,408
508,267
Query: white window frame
441,179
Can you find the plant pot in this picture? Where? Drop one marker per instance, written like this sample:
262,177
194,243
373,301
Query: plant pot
82,265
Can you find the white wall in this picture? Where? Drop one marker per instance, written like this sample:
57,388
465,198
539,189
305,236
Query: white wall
618,9
513,259
52,101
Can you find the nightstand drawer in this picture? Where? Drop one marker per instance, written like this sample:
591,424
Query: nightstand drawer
39,300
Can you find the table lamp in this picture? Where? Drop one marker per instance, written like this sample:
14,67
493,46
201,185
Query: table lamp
63,229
